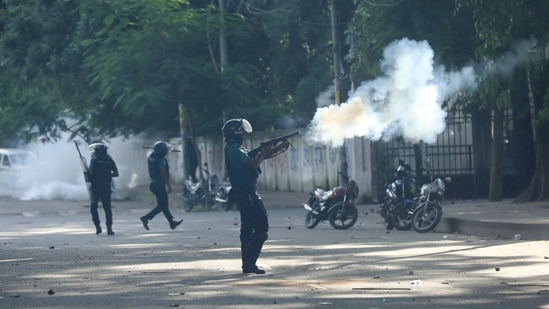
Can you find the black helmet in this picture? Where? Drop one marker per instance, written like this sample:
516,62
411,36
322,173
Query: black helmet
234,129
161,146
403,170
98,148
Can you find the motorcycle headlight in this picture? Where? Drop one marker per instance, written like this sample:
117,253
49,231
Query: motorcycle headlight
440,186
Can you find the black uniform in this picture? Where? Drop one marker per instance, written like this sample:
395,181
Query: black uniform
253,216
159,172
101,171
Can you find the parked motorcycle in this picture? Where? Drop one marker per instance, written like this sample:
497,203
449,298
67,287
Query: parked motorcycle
427,214
223,196
399,201
335,205
193,194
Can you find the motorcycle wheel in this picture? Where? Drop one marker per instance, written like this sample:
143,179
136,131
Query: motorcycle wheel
402,221
387,220
311,221
221,195
426,218
187,201
342,218
200,198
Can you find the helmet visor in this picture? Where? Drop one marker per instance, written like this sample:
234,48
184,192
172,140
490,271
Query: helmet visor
169,147
246,126
94,146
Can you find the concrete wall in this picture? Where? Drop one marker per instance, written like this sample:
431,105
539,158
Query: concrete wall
300,169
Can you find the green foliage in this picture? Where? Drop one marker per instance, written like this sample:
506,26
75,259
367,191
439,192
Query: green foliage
292,53
33,62
378,23
500,25
106,68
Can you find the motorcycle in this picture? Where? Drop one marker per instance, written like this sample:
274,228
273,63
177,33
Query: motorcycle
427,214
335,205
223,196
400,199
193,194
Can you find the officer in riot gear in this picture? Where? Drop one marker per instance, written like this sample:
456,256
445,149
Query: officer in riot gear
159,172
243,172
102,169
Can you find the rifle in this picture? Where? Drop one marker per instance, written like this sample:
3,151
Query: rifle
273,143
85,170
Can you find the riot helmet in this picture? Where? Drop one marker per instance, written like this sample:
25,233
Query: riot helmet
234,129
162,146
98,149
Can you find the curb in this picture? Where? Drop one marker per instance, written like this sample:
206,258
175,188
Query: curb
497,230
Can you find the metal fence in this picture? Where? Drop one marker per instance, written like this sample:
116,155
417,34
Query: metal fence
451,155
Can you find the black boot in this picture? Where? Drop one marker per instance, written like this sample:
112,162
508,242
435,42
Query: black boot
174,224
145,222
109,230
98,229
252,269
252,252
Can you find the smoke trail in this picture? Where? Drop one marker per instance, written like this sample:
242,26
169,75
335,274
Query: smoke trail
405,101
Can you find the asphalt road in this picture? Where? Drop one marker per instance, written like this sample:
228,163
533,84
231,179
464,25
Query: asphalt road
197,265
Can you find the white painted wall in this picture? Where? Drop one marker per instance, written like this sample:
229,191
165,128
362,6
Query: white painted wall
301,169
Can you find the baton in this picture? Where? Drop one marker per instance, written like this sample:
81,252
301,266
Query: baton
147,147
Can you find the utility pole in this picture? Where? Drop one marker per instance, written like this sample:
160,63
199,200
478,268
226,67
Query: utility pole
223,54
342,157
223,60
183,139
336,52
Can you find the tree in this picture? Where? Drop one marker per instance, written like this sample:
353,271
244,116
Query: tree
376,24
499,25
102,68
36,65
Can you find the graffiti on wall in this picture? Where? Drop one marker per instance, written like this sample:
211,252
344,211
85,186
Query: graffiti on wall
294,159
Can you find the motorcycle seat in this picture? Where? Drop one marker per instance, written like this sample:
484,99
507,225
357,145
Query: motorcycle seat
322,194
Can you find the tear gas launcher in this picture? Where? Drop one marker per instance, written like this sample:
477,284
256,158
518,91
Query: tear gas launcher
273,143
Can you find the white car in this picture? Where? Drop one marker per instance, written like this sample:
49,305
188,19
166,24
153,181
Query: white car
12,162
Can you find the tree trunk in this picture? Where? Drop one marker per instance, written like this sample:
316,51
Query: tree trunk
522,147
539,186
481,152
496,192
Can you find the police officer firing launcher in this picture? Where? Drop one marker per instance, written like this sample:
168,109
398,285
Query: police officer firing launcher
243,169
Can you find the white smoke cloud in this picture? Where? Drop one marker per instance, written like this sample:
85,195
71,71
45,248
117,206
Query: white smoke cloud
522,51
325,97
405,101
57,174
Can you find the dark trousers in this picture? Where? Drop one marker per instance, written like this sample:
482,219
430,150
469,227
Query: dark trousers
254,224
159,190
102,195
